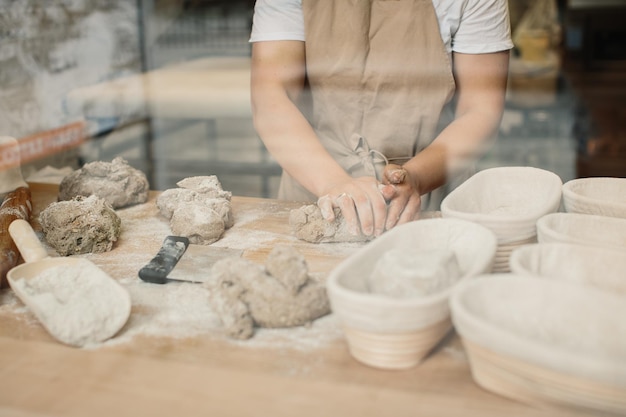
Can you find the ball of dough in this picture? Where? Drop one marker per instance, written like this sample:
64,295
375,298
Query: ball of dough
403,273
199,209
80,225
245,294
288,266
117,182
307,224
199,223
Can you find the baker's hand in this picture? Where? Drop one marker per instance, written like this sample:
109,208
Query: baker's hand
403,195
361,204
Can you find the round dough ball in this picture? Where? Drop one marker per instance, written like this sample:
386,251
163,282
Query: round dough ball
201,224
80,225
199,209
172,199
403,273
117,182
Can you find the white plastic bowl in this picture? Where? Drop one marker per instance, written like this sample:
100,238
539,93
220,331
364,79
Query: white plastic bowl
393,333
588,265
507,200
582,229
605,196
544,341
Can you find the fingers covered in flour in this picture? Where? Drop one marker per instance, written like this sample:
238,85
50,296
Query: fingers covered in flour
403,210
326,205
361,203
402,194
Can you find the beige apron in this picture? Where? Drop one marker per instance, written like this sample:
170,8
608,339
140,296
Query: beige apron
379,77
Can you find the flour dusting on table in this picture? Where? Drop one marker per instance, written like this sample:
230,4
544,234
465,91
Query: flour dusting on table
182,310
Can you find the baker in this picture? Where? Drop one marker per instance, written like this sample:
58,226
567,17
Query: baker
350,97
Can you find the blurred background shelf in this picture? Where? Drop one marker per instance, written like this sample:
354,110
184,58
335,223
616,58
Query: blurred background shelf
594,65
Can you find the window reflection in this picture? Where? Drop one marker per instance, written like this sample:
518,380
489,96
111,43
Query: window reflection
164,84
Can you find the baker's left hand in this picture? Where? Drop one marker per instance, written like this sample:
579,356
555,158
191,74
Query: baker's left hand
402,194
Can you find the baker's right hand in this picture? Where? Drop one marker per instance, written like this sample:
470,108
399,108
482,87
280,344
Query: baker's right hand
361,204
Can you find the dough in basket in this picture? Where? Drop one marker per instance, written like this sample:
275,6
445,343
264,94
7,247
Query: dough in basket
406,272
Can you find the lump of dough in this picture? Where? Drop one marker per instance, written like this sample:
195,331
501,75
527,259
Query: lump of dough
199,209
289,267
226,299
80,225
208,186
403,273
245,294
117,182
199,223
308,224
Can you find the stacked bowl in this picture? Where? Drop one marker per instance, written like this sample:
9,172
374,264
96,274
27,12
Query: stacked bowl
603,196
582,229
603,268
508,201
553,331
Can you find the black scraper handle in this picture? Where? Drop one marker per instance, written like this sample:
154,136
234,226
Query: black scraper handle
161,265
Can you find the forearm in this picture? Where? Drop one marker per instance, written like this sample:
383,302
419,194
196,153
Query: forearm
291,140
277,81
481,86
458,146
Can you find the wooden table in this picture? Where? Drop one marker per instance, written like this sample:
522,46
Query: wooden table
285,372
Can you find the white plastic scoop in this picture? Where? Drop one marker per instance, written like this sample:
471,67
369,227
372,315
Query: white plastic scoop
77,302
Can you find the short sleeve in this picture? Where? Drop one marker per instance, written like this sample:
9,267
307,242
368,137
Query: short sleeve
275,20
484,27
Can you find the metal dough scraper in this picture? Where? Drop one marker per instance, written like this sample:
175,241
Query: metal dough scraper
179,260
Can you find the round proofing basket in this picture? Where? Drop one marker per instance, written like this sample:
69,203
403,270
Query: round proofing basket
582,229
604,196
544,341
393,333
589,265
507,200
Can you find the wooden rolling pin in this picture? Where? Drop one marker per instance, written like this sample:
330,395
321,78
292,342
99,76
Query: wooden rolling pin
16,205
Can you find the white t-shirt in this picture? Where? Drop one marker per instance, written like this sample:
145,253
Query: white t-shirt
467,26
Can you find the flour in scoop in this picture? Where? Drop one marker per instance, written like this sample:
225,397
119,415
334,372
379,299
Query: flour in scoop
77,303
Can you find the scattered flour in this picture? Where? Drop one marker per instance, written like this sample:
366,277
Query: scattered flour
10,304
176,310
321,332
181,310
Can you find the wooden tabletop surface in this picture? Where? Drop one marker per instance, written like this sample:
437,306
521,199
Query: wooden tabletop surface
170,361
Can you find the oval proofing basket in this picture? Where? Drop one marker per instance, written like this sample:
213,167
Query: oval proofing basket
544,341
392,333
